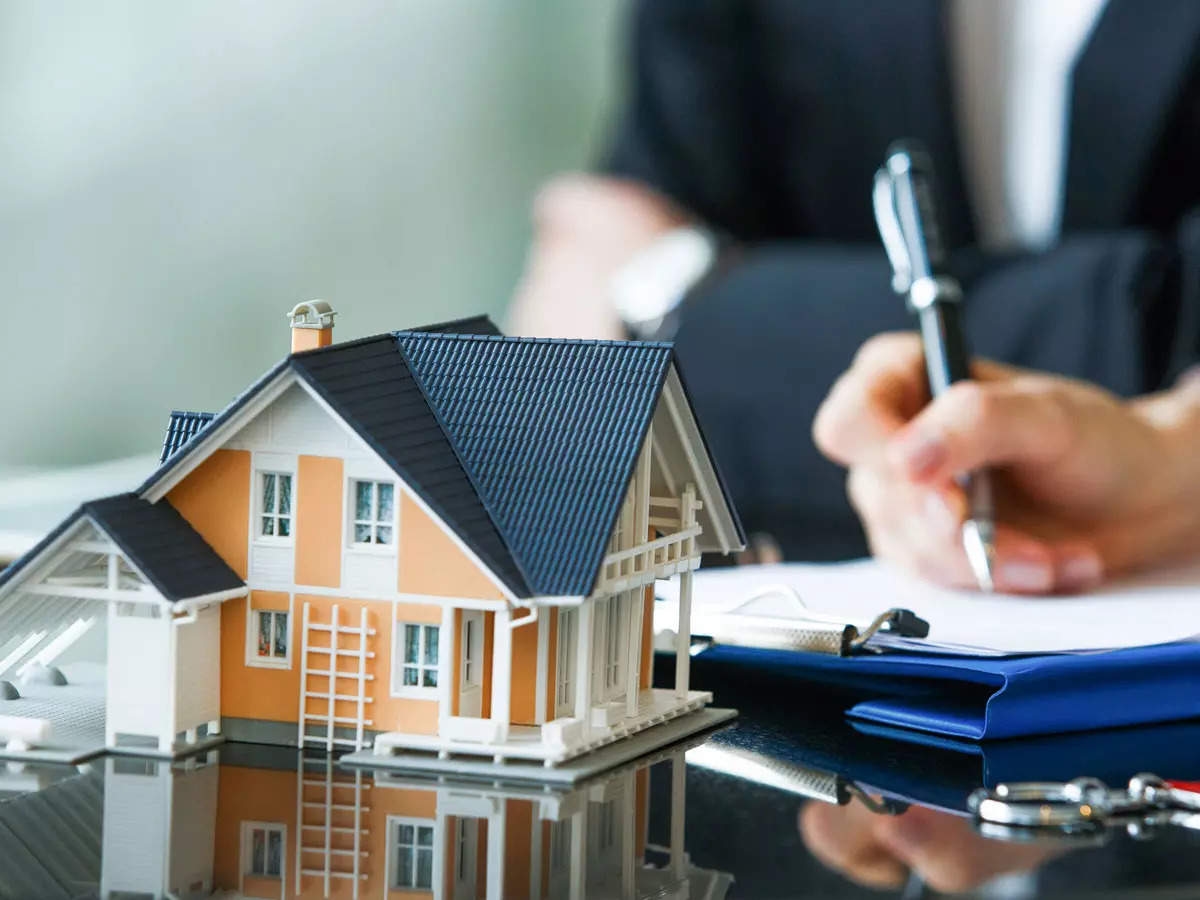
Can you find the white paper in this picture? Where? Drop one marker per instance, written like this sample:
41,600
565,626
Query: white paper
1153,608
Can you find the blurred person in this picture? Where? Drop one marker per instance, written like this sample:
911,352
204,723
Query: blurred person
733,215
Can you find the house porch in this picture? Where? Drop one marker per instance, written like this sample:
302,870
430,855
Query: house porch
556,741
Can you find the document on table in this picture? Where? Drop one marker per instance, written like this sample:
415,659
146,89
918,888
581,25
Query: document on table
1153,608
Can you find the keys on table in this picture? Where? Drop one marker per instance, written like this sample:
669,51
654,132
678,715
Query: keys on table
1084,810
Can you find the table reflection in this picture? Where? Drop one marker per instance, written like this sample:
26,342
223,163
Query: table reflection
258,822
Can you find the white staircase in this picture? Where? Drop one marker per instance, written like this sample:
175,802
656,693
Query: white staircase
331,840
334,697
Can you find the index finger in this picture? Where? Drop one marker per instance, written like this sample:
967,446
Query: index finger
884,387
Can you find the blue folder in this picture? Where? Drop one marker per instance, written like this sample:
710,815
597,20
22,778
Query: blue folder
942,772
989,698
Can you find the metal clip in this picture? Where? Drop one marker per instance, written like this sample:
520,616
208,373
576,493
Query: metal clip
811,632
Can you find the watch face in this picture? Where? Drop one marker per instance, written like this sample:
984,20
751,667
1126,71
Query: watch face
654,282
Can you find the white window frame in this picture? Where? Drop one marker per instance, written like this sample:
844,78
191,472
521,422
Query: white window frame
565,662
418,691
392,859
610,647
245,863
261,472
352,519
268,662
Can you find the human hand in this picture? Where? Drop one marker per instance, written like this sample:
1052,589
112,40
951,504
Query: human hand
585,228
1087,485
880,850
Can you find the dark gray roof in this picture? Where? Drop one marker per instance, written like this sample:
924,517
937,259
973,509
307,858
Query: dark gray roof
51,839
182,428
156,539
369,383
550,432
469,325
523,447
161,543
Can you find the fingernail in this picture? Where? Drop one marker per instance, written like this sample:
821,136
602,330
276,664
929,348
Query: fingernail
920,453
1080,571
1026,576
941,517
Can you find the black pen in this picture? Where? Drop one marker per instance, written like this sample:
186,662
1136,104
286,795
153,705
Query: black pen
905,211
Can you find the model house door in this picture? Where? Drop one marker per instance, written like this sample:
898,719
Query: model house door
466,859
470,697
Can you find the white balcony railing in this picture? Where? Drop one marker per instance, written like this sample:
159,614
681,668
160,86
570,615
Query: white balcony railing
660,558
675,551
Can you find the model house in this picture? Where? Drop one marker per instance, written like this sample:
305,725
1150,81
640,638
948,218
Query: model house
435,543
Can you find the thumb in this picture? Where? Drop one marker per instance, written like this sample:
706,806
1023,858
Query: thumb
978,424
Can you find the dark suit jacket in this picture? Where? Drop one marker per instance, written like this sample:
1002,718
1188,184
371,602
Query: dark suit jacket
767,118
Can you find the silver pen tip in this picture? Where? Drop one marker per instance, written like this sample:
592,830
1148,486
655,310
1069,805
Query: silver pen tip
979,542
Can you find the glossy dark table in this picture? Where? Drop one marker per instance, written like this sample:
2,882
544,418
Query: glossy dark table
714,819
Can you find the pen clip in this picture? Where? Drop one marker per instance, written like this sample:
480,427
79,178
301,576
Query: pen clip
888,220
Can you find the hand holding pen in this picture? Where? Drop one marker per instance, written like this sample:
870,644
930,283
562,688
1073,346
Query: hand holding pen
1087,484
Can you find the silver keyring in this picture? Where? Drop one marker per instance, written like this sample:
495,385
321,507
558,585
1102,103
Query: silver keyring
1043,804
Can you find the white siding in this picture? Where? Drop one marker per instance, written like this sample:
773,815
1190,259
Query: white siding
198,668
368,572
295,424
271,565
137,828
139,675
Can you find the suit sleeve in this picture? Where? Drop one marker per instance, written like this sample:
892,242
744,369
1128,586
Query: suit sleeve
685,125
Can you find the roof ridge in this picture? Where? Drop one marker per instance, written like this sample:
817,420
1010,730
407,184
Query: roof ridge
516,339
342,345
472,478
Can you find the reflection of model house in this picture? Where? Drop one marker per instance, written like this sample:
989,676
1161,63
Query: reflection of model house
436,541
238,822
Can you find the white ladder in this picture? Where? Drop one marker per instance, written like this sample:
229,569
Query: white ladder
319,721
330,837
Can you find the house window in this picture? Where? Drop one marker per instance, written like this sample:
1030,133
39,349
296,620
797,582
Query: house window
374,513
411,847
564,664
275,509
263,848
560,845
613,654
415,660
272,637
606,830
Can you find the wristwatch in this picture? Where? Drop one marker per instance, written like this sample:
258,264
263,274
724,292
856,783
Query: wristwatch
648,291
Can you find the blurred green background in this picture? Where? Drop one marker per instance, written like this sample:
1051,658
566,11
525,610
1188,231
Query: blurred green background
176,176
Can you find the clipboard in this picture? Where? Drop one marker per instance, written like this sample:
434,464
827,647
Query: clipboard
955,696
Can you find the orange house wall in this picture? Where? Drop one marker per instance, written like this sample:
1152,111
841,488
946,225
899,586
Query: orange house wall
215,500
523,698
269,796
431,563
319,523
518,829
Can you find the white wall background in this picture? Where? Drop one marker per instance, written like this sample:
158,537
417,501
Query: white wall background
174,176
